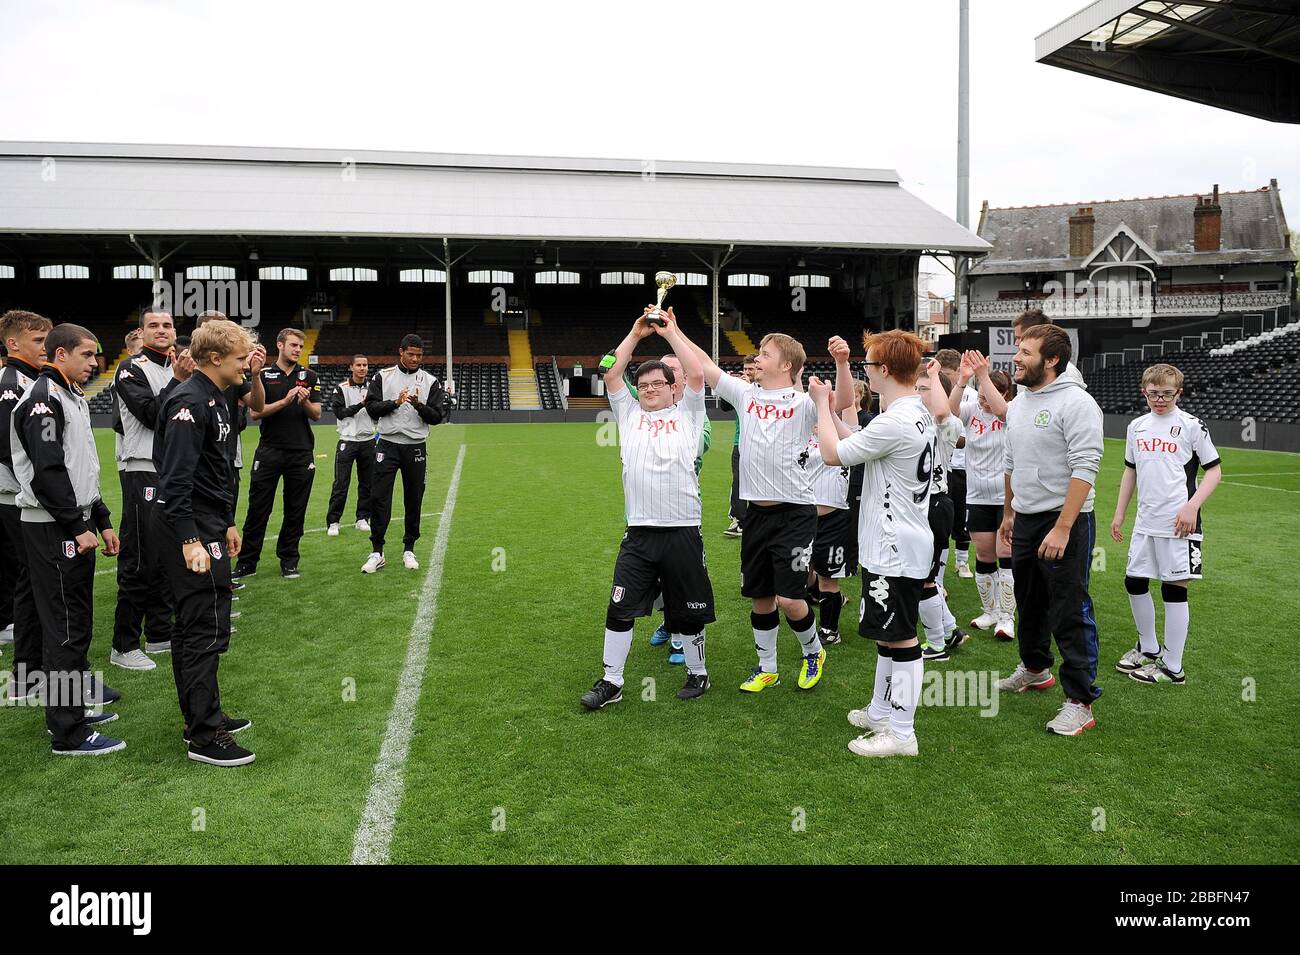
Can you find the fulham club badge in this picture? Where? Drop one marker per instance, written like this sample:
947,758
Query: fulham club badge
148,494
69,549
215,550
618,594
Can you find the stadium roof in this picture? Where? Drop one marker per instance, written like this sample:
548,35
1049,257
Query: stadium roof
102,189
1241,56
1037,238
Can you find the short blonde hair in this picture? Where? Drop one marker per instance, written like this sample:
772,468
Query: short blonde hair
860,391
218,335
789,349
1163,373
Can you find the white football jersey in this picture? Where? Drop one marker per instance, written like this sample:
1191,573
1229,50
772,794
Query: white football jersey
959,456
1166,451
773,437
898,449
830,484
658,448
948,432
985,464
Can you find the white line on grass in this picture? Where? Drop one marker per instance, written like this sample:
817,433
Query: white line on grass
1262,487
375,834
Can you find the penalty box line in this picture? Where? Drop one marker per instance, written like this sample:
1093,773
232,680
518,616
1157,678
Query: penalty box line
374,835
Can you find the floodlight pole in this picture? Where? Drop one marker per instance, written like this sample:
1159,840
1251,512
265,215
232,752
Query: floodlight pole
716,265
963,152
446,300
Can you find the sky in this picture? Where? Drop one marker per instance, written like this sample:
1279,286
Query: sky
871,84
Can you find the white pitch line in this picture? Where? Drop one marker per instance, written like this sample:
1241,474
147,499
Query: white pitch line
375,833
1262,487
1266,473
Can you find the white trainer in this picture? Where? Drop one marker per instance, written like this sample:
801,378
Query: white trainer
1073,720
1023,678
132,660
373,563
863,721
332,531
883,744
985,620
964,571
7,635
409,561
1134,659
363,525
1005,629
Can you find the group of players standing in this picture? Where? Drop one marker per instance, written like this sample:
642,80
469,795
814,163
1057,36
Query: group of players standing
1021,490
179,408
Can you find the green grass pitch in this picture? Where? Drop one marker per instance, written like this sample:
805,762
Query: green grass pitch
504,765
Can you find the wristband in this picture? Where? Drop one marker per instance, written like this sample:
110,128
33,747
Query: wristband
192,540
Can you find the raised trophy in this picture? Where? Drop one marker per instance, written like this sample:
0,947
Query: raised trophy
664,281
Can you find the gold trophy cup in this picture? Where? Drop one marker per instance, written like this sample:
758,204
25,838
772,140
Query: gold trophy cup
664,281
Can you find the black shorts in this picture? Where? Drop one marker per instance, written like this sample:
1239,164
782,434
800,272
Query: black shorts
890,607
957,491
983,518
776,550
941,525
667,558
835,548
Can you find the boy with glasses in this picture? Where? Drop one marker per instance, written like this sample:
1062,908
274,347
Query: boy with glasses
1163,452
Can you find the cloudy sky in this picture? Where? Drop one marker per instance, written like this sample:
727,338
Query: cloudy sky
870,84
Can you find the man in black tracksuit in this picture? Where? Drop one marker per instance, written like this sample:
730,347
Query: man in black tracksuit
57,466
403,401
141,384
197,534
286,449
23,334
356,443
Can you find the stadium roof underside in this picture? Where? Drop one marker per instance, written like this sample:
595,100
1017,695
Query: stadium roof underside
1241,56
293,204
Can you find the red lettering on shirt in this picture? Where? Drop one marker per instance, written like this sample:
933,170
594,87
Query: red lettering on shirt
1157,445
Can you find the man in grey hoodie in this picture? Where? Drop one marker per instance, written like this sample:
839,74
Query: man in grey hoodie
1033,318
1053,452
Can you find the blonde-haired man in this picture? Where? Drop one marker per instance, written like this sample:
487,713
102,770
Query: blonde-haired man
1163,451
196,494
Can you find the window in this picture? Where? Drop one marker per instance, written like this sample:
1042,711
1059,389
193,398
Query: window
557,277
422,275
350,274
491,277
748,280
209,272
6,271
282,273
810,281
64,272
622,278
692,278
133,272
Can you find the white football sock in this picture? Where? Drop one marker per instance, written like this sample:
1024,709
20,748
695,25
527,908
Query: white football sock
1177,617
987,585
1144,616
808,638
692,645
879,708
943,565
617,646
765,644
905,693
932,619
1006,593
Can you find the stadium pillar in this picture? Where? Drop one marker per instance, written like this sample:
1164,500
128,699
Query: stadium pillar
963,156
446,286
717,274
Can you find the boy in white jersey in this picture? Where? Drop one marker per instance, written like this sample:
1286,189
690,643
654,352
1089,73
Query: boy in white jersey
835,546
895,543
777,418
984,418
658,441
1163,451
942,635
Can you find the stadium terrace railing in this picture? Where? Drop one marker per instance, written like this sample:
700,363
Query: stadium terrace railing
1195,305
559,384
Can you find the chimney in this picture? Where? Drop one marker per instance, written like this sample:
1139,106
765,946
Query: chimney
1081,232
1207,219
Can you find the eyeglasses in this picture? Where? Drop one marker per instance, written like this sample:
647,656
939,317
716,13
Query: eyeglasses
1161,395
876,363
651,385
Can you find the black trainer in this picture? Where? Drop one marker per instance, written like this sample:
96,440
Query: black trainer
243,571
231,724
956,638
222,751
289,571
602,694
97,693
695,686
829,637
930,653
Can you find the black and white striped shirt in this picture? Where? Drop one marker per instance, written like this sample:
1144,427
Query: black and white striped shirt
773,438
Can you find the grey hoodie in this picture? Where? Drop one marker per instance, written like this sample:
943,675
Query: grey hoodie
1052,435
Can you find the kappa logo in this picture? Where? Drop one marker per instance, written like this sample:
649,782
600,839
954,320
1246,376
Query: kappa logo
618,593
215,550
183,415
312,466
39,408
69,549
148,494
9,396
1194,553
125,373
880,592
1042,419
